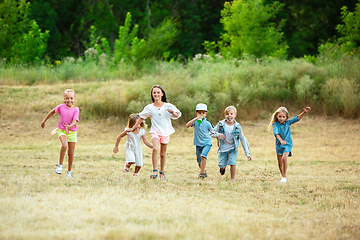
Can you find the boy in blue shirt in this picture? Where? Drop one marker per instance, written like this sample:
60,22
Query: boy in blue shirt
202,139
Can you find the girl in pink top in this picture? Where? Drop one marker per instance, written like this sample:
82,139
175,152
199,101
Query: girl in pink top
69,116
161,112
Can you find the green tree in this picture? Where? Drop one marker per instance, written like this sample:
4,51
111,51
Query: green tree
350,30
13,24
249,29
32,46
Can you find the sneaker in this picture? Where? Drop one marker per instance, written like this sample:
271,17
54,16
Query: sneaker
222,171
69,174
126,168
58,169
283,180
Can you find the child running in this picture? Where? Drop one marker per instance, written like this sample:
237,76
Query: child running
202,139
161,112
280,126
230,133
133,149
69,116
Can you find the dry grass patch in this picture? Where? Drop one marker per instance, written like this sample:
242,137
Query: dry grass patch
320,201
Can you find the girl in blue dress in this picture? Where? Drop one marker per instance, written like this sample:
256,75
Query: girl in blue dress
280,126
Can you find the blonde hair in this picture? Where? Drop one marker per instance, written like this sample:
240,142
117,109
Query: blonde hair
230,108
133,119
274,117
69,90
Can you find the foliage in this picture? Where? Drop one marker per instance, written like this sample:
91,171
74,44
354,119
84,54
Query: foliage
249,29
14,23
350,29
32,46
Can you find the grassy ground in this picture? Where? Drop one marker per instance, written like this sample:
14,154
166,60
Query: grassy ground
320,200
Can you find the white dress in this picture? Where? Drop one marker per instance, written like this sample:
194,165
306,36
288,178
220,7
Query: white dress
160,118
133,148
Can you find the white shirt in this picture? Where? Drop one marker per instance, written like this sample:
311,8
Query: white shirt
160,118
228,143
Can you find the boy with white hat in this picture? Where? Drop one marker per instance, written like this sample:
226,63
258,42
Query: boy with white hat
202,139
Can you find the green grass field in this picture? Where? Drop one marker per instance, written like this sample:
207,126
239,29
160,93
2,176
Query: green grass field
320,200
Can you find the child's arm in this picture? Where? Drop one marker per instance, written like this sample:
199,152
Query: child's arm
118,139
70,126
215,133
175,114
306,110
137,124
280,139
52,112
245,145
147,143
190,123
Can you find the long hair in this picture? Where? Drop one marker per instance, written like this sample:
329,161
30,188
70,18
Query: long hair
132,120
163,98
274,117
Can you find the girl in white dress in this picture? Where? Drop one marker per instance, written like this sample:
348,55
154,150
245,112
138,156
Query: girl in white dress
133,149
161,112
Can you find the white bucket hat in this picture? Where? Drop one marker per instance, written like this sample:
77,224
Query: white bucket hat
201,107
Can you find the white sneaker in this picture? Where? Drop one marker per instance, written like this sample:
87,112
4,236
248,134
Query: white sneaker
58,169
283,180
69,174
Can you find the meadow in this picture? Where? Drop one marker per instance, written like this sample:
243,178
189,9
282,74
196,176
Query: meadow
320,200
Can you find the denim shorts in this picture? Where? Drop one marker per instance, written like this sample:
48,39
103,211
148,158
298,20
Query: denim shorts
202,151
227,158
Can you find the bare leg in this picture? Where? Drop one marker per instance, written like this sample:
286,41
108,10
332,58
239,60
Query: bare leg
137,169
233,171
71,151
285,163
279,158
64,145
202,164
162,157
155,151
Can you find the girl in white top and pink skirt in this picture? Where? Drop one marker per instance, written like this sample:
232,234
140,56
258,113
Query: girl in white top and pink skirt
161,112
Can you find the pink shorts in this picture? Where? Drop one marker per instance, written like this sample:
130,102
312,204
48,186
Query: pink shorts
163,139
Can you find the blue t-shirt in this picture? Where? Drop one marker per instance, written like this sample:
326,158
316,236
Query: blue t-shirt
201,133
284,132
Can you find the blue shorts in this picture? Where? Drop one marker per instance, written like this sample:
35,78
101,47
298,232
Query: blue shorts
202,151
227,158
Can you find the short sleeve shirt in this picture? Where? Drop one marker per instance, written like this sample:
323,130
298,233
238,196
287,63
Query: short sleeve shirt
160,118
201,133
66,116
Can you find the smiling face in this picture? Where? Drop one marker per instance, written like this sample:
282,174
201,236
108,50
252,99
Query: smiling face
157,94
281,117
230,116
69,98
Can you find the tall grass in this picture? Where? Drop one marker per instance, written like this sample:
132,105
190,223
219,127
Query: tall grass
255,87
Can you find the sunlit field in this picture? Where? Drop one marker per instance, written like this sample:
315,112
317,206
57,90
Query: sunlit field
320,200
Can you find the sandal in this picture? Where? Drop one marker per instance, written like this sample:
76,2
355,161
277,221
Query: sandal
135,174
126,168
154,175
163,173
222,171
202,175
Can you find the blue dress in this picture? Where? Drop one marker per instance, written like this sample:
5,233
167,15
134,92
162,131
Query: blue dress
284,132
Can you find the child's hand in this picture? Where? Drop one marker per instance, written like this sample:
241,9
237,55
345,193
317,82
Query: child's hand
170,110
116,149
249,158
67,129
130,129
42,124
221,136
283,142
307,109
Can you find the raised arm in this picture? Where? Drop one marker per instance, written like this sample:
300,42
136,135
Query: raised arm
137,124
118,139
190,123
52,112
306,110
